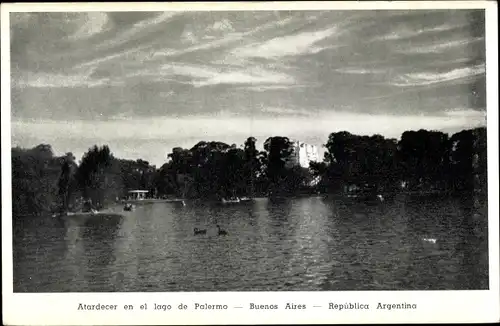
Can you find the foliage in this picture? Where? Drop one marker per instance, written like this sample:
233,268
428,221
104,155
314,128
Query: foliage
91,175
35,173
67,182
425,160
279,150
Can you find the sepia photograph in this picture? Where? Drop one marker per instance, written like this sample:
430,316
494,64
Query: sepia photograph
223,151
278,150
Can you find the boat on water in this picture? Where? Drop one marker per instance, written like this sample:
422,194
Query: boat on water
230,200
85,214
236,200
365,197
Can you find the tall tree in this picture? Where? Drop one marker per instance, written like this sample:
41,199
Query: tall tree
91,173
279,150
423,156
462,159
231,173
343,156
251,168
207,161
35,174
68,168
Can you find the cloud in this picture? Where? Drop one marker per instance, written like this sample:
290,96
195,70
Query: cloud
49,80
95,23
197,46
210,74
207,75
291,45
288,111
213,42
189,37
466,113
428,78
127,133
440,47
223,25
278,59
264,88
114,56
141,27
202,125
405,32
360,71
193,71
249,76
167,94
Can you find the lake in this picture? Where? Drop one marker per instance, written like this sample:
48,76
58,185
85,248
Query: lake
306,244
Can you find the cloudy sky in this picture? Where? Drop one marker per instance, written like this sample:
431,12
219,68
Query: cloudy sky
144,82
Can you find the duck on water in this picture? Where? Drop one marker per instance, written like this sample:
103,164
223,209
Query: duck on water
221,231
198,231
204,231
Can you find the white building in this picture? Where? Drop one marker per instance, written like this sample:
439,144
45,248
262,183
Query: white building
303,154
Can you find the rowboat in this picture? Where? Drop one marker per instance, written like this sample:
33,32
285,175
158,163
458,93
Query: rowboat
230,201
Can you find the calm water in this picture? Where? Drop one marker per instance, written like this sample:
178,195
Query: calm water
297,244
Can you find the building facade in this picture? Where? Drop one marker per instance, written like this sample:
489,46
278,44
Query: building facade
302,155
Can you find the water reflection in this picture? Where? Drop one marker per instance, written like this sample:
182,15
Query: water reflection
473,244
292,244
97,258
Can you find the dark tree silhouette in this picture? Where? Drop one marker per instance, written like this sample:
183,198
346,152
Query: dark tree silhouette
423,157
251,168
35,173
279,150
426,160
92,173
66,184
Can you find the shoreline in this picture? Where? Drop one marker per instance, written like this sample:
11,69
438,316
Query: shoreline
117,207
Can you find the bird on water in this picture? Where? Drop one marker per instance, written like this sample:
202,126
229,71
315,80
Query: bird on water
198,231
220,231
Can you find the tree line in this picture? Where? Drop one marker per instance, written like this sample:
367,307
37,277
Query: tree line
420,161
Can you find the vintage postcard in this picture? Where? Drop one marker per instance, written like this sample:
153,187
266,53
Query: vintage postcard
250,163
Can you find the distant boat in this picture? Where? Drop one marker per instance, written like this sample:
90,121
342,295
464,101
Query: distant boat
64,214
230,200
86,214
365,196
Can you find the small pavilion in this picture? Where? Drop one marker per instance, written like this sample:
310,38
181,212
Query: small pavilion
137,194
